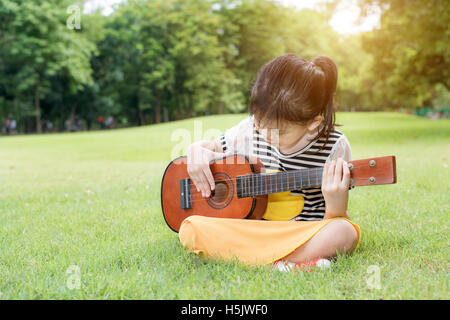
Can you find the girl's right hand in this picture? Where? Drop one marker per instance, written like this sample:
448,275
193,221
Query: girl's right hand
199,156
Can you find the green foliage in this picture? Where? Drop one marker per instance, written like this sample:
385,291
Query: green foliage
179,58
410,50
38,48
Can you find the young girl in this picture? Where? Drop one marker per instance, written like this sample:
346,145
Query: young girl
291,126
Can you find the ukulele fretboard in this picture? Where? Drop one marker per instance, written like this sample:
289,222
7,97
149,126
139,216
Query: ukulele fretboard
260,184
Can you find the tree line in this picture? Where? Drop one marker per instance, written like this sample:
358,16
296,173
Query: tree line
160,60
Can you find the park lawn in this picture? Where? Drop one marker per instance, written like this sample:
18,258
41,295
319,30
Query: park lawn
92,200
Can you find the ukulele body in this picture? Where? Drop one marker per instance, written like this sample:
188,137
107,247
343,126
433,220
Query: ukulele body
180,198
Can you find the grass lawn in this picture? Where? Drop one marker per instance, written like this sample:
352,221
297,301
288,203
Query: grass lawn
92,201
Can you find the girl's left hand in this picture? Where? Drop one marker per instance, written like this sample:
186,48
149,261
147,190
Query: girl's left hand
335,183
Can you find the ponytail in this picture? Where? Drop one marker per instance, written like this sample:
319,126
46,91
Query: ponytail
328,108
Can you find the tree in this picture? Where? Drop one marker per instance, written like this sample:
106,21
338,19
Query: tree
38,46
202,81
410,49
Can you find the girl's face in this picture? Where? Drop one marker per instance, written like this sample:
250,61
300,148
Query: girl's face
288,135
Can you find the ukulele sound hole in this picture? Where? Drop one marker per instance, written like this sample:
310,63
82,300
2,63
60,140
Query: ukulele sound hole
220,193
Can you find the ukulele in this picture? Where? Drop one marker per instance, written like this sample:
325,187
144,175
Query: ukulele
243,189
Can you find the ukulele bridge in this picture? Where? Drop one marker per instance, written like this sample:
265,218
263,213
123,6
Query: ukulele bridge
185,194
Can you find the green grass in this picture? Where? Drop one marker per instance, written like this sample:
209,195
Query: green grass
92,200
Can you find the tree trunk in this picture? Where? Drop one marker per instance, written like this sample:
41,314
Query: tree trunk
165,114
158,106
190,108
220,111
141,117
139,113
72,116
38,107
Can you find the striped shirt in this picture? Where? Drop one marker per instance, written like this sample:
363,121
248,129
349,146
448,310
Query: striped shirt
246,139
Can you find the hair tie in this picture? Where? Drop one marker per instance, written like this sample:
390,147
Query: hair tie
313,64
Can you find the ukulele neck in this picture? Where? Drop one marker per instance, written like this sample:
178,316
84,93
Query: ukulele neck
260,184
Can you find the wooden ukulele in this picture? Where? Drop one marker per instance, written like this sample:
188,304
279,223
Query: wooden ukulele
242,187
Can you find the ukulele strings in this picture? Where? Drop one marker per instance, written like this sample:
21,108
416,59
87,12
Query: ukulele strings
277,184
197,196
264,174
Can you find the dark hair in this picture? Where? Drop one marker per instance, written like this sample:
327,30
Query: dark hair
292,89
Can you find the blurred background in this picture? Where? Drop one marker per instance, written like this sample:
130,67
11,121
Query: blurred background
90,65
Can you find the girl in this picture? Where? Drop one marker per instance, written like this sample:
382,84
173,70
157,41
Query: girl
291,126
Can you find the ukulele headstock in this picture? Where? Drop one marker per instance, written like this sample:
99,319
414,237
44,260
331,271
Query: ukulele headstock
373,171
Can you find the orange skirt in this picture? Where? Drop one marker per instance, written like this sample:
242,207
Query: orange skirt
249,241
